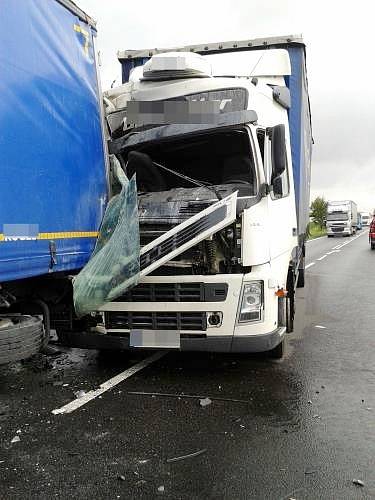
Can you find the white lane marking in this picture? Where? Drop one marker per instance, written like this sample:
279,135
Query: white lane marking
350,241
105,386
335,249
320,326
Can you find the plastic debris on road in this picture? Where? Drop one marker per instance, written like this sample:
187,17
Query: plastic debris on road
205,402
358,482
16,439
184,457
79,394
114,264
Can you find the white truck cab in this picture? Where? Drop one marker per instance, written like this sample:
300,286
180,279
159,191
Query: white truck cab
221,148
342,218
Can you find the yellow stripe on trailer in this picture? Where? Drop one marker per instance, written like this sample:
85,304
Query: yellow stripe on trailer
68,234
62,235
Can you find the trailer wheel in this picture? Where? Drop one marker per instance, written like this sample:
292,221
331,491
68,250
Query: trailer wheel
21,339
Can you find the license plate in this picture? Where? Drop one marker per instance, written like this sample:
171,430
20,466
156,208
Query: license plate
166,339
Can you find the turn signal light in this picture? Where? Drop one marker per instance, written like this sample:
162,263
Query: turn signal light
281,293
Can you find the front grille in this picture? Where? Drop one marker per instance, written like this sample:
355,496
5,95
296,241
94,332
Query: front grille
193,208
149,232
156,320
183,236
176,292
337,229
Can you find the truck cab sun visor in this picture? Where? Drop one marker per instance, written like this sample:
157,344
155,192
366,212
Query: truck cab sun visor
136,136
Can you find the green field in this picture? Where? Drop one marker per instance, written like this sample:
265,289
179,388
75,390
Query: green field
315,231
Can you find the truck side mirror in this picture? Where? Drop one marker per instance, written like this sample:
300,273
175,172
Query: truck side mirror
278,150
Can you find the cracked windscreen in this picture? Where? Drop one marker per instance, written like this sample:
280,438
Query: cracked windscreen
221,159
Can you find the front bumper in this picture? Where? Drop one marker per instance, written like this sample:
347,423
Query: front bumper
343,231
223,343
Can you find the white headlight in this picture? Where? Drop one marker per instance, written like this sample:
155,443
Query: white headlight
251,302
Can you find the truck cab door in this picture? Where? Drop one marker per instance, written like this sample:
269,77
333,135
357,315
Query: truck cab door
281,201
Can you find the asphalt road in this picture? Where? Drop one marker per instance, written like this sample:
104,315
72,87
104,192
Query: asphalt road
302,428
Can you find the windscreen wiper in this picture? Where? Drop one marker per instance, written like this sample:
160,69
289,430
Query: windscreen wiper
190,179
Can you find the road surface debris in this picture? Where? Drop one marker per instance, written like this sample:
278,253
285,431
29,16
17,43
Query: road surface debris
358,482
205,402
189,455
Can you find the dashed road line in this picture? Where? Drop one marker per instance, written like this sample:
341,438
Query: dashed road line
335,249
322,257
105,386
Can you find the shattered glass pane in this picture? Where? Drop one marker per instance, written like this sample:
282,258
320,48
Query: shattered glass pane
114,264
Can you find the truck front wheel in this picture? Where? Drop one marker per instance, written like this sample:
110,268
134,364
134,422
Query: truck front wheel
301,277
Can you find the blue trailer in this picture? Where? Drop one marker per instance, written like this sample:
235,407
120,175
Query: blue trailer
53,177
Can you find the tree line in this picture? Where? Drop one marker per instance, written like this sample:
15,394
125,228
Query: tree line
318,211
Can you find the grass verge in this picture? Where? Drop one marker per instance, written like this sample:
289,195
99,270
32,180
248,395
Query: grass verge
315,231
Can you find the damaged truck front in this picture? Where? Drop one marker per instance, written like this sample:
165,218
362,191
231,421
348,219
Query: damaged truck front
222,166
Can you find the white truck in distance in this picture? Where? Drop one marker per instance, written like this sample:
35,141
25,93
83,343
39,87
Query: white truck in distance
366,218
341,218
221,145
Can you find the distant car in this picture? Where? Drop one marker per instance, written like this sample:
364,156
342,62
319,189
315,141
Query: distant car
371,236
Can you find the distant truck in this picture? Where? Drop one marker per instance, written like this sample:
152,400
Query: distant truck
222,158
359,221
53,177
342,218
365,218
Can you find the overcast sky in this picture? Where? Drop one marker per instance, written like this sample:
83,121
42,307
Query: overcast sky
340,43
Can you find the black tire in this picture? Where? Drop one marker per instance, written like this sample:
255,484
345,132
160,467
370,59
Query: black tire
278,351
301,277
21,340
290,315
290,303
372,246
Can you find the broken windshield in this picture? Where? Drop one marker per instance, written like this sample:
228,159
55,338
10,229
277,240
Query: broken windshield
208,159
